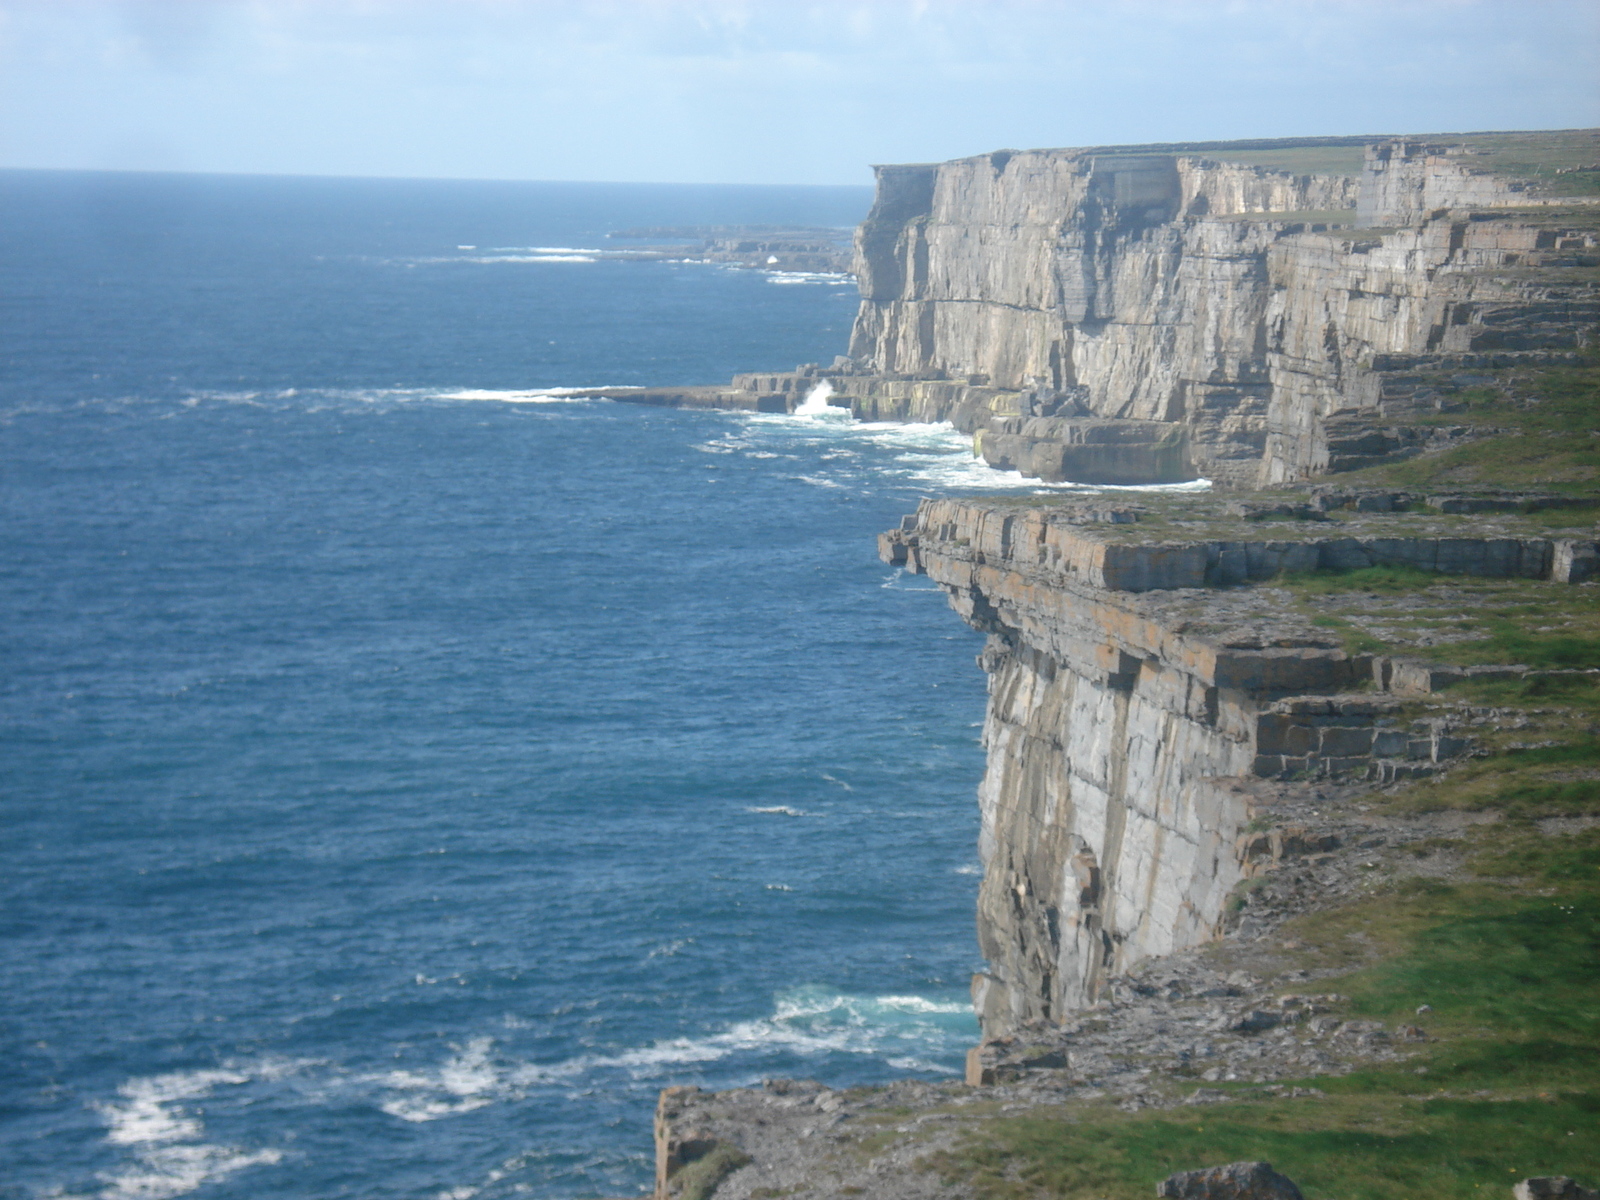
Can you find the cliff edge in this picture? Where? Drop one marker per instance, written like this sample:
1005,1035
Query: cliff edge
1254,313
1291,812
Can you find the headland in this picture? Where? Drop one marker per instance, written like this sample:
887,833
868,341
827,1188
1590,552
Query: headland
1291,816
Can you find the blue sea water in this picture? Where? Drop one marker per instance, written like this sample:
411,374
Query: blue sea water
408,771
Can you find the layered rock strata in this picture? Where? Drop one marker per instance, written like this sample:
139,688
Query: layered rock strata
1161,1036
1200,298
1143,315
1136,683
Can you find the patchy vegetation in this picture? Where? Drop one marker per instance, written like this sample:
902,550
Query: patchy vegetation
1458,619
1507,1087
1539,430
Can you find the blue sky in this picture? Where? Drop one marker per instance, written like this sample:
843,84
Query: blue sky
753,91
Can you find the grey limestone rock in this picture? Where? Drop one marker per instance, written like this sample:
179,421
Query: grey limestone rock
1553,1187
1236,1181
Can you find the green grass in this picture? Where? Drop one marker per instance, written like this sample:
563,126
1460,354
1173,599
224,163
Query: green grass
1548,416
1353,1148
1511,1081
699,1179
1535,155
1389,581
1508,643
1562,780
1471,620
1300,160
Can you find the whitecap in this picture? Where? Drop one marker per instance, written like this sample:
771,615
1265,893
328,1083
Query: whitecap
169,1158
902,581
914,1064
540,250
511,396
534,258
172,1171
809,1021
669,949
463,1083
781,810
815,406
930,454
833,277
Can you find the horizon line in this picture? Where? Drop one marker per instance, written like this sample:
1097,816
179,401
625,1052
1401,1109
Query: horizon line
868,186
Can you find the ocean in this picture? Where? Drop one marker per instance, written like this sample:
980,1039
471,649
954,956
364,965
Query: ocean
408,770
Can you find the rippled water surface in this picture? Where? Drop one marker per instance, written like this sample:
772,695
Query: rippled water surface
408,770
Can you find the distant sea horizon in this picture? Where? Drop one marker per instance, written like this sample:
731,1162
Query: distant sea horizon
864,187
409,769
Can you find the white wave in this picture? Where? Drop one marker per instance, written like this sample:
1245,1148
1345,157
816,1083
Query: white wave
782,810
169,1157
833,277
463,1083
969,869
669,949
530,396
819,481
779,887
899,1004
816,404
808,1021
901,581
935,455
172,1171
914,1064
540,250
532,258
319,399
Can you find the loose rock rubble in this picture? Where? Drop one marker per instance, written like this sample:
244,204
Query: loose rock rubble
1238,1012
1236,1181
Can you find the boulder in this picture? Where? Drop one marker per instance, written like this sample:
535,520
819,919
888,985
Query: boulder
1236,1181
1553,1187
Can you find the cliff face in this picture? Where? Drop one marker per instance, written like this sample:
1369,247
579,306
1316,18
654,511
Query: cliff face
1137,713
1240,322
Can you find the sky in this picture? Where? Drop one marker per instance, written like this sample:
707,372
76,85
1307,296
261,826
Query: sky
753,91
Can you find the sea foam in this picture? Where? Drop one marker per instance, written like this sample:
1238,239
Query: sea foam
169,1157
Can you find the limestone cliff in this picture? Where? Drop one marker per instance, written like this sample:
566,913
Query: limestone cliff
1133,705
1125,315
1241,322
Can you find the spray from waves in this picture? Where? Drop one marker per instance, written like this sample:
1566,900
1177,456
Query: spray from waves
554,255
933,455
810,1022
907,1032
464,1082
811,1030
314,399
169,1156
816,404
540,250
829,277
530,396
